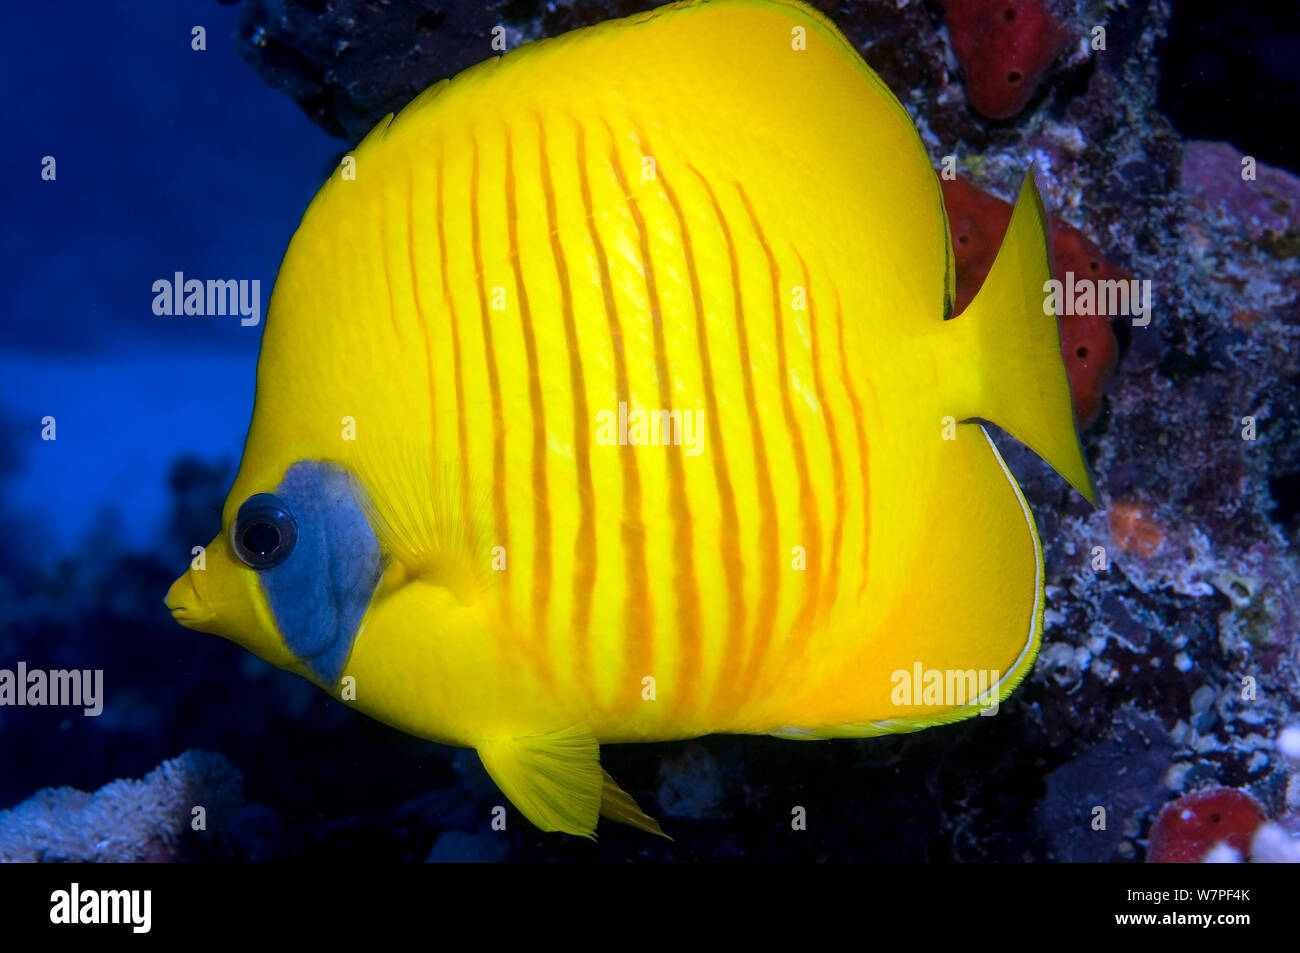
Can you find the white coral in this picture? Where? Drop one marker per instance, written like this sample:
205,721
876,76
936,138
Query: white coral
125,820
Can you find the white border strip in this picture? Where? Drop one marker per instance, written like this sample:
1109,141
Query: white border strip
1038,555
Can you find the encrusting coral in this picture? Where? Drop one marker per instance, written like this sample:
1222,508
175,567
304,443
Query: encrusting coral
125,820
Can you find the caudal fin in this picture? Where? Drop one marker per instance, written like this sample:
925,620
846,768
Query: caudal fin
1020,381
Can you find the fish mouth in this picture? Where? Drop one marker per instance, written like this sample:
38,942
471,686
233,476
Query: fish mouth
185,605
188,617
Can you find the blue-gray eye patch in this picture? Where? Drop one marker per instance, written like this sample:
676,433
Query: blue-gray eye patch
320,586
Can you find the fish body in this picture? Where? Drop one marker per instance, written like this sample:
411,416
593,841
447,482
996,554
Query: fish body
611,398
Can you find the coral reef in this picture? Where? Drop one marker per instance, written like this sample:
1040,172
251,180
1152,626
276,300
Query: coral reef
348,63
1175,600
148,820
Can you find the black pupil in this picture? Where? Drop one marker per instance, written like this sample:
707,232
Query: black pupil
261,538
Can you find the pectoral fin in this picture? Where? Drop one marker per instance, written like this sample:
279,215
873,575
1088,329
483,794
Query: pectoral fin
617,805
553,779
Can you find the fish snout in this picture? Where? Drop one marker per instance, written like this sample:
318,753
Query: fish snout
184,602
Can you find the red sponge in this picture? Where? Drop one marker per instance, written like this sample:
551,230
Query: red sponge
1187,828
1004,47
1087,341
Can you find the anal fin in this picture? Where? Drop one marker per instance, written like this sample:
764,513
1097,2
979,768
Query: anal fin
617,805
554,779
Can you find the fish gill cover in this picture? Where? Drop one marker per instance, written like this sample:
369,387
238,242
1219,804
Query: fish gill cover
1160,717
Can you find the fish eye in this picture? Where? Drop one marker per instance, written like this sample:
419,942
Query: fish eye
265,531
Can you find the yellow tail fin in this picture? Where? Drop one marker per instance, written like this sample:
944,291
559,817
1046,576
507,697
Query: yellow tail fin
1020,380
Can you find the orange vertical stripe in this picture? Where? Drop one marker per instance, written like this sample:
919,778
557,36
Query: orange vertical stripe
449,302
737,681
638,612
732,566
807,501
500,512
833,565
388,271
424,328
584,546
541,505
685,588
863,454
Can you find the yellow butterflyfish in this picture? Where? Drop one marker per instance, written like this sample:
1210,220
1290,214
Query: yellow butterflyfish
610,393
